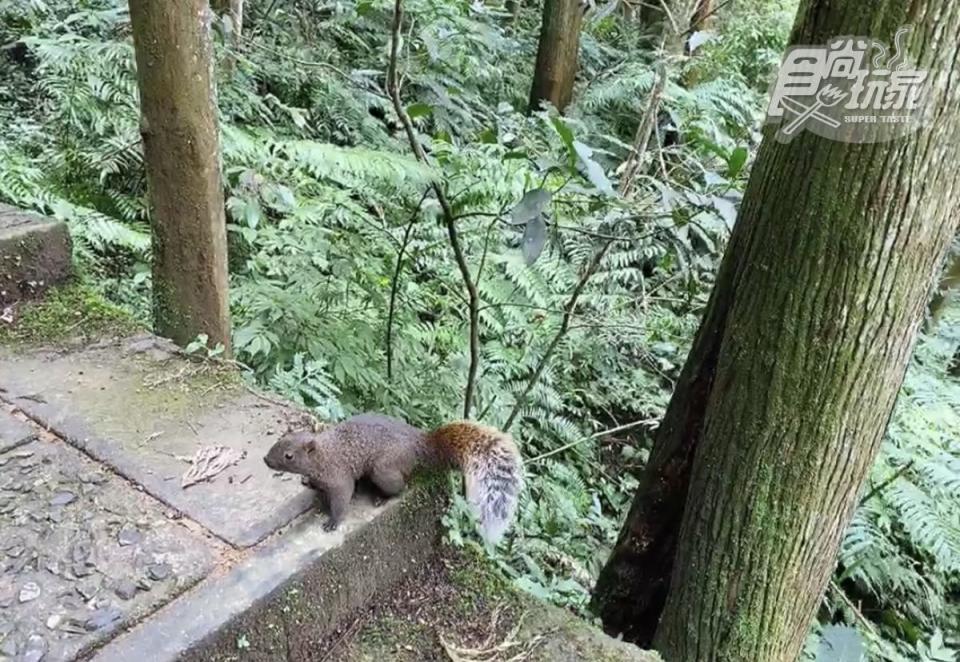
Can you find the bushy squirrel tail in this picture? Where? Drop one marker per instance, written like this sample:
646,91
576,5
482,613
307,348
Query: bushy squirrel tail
492,470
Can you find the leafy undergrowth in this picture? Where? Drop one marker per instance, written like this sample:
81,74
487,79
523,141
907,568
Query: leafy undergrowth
331,219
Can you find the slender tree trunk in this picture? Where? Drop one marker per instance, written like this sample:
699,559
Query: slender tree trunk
702,15
182,150
785,396
233,9
513,8
946,292
673,17
557,54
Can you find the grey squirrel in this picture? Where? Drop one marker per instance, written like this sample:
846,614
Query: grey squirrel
387,451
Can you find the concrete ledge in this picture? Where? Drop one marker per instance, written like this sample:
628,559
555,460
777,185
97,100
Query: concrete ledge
35,254
139,406
13,432
280,602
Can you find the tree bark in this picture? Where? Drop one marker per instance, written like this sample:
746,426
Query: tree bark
557,54
785,396
181,144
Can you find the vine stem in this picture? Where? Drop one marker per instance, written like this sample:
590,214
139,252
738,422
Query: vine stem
395,284
473,296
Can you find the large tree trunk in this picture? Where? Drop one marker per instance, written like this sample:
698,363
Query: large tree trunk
182,150
786,394
557,54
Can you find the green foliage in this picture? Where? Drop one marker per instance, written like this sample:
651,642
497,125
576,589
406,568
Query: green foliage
324,200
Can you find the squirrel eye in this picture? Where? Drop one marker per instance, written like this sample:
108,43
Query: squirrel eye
288,455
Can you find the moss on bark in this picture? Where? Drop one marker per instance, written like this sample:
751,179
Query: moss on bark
182,149
786,394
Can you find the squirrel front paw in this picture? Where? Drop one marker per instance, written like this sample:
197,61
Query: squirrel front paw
330,525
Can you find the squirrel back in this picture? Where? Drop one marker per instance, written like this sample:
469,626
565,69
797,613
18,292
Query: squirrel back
492,470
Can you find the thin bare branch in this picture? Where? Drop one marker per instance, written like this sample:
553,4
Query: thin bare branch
644,131
595,435
473,296
395,284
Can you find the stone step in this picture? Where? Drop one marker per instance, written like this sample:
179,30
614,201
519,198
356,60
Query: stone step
238,563
35,254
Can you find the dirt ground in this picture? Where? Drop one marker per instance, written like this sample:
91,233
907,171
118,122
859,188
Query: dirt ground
459,611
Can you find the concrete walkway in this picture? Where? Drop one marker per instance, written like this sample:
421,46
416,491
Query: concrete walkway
98,532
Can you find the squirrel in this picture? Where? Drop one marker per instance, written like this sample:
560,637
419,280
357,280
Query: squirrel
387,451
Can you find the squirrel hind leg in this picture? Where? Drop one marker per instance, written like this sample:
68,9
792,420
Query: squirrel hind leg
390,481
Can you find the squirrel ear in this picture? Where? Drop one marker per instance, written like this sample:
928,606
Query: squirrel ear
311,447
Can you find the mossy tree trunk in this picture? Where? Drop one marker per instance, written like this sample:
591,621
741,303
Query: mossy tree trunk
557,54
785,396
182,150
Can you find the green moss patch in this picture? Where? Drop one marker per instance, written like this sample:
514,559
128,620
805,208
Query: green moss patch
71,311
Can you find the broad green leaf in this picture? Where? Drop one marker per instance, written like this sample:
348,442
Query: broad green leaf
530,206
534,239
364,7
736,161
841,644
594,172
419,109
488,136
566,134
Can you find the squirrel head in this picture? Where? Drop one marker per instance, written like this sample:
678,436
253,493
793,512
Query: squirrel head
293,452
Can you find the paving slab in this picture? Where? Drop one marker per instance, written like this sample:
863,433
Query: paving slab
83,553
141,407
13,431
35,253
